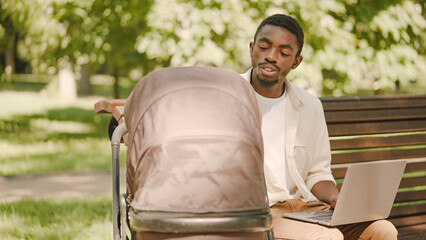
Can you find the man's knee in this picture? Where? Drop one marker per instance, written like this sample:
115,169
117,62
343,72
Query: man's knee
317,233
335,234
381,229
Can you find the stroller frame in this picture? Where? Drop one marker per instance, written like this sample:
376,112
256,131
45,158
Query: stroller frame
253,221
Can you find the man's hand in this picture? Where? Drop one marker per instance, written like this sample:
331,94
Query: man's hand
333,201
327,192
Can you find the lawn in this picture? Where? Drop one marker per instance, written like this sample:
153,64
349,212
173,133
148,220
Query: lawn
41,133
57,219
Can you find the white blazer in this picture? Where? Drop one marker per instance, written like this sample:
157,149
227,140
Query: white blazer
306,139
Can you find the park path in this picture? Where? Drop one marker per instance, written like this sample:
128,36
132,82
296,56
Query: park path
58,185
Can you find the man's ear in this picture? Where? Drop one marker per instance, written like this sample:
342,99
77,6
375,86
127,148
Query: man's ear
251,48
296,62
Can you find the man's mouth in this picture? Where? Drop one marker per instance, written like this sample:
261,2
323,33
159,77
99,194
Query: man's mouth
268,71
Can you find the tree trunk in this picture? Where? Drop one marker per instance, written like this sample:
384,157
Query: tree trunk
116,85
66,78
85,88
10,56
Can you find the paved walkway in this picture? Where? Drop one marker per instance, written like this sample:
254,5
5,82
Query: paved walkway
58,185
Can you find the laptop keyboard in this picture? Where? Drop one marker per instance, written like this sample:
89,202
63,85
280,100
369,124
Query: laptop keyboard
324,218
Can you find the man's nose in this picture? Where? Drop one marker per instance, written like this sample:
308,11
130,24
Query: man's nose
272,56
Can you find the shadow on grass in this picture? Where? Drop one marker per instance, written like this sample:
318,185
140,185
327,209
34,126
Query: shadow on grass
75,156
72,114
36,83
57,219
69,139
22,86
21,129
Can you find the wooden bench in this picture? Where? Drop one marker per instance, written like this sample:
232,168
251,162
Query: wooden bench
366,129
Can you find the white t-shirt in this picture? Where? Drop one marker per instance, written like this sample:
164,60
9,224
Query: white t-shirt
273,130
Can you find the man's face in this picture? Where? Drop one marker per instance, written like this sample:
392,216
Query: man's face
273,55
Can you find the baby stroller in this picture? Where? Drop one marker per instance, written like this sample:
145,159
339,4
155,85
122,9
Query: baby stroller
194,158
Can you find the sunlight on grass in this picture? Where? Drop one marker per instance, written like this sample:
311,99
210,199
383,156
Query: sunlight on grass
98,230
85,154
10,150
61,126
23,103
57,219
15,103
44,134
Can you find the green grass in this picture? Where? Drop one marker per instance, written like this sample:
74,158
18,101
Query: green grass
88,218
41,133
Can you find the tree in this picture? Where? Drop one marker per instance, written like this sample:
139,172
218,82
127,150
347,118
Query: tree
103,32
14,23
198,33
350,45
31,33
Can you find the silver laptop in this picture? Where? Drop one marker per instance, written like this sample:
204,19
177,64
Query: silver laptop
367,194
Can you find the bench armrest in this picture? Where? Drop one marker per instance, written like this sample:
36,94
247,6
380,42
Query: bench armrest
114,107
108,105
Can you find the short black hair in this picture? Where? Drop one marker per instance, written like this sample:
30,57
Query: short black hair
287,22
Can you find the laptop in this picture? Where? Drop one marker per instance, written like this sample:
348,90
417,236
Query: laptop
367,194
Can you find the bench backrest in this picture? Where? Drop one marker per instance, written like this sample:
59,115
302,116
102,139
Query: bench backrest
364,129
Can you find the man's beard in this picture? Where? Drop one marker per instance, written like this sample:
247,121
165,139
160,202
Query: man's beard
264,83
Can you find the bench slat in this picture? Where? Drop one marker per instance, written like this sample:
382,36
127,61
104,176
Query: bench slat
375,102
410,196
413,182
339,172
405,182
368,128
408,221
367,156
414,232
374,115
377,142
415,167
405,210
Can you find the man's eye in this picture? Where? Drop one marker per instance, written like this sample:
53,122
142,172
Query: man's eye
262,47
284,54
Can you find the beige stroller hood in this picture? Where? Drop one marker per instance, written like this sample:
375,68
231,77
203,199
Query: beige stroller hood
194,143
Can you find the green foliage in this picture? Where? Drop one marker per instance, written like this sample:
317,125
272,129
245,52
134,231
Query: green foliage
352,46
384,47
198,33
101,32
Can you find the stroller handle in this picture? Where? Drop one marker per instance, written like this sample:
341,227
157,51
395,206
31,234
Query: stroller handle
118,133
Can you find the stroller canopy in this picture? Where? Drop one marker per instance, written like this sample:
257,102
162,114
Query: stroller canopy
195,142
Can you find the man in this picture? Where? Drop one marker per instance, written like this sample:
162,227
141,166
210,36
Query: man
297,152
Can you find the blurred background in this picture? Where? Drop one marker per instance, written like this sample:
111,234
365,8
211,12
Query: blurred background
59,57
353,47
